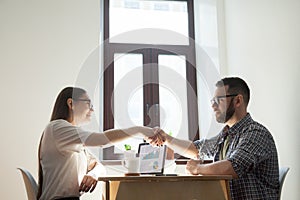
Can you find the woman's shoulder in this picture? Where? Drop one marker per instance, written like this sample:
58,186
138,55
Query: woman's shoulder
58,124
62,127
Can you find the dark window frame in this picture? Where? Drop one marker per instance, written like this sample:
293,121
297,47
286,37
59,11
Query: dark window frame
150,74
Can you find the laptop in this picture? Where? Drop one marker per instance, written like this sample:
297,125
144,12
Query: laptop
152,159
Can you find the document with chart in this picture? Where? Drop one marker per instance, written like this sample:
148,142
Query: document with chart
152,159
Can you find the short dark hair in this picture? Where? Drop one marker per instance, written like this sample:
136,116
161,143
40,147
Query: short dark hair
236,86
61,109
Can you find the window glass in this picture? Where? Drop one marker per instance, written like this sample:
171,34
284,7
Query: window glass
173,97
148,22
128,95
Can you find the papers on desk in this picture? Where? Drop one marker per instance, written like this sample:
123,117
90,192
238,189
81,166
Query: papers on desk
152,159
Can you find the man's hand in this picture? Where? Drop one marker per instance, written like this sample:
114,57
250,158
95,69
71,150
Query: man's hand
88,183
159,137
192,166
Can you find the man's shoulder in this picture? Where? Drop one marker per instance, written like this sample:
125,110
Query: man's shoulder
248,123
254,125
256,130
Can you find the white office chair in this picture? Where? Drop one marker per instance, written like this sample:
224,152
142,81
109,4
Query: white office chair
30,184
282,174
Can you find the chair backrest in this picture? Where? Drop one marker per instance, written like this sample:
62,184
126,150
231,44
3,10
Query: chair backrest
282,174
30,184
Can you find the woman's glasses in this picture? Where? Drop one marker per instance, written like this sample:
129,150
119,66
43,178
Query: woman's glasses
91,107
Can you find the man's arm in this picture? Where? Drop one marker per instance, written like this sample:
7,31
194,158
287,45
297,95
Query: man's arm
183,147
223,167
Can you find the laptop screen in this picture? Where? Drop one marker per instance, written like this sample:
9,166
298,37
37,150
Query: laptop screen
152,158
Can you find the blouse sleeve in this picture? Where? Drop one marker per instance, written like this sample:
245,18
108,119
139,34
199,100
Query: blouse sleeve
95,168
69,137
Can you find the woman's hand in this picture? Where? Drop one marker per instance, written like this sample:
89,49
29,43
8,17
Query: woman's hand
158,138
88,183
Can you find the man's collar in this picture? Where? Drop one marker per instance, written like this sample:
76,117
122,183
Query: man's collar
237,126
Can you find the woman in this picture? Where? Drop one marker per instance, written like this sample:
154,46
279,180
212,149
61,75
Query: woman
66,169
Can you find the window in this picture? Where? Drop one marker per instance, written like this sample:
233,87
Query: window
149,75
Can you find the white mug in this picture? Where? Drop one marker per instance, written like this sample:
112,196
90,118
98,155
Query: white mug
129,154
132,164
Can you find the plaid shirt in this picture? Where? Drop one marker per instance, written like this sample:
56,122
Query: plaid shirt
253,155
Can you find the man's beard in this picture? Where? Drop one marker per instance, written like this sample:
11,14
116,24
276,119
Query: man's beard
224,117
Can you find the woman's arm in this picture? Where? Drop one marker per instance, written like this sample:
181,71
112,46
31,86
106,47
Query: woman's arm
95,169
116,135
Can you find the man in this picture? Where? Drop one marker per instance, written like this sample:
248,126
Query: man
244,148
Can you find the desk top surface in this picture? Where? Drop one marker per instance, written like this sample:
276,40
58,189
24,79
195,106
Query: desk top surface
165,178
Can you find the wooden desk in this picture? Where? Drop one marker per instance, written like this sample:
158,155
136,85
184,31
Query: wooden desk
166,187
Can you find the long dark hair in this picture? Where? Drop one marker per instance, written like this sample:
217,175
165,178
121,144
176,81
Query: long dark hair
60,111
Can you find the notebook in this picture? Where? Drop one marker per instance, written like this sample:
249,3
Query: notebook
152,159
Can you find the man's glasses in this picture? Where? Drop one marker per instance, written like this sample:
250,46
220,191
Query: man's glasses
91,107
216,100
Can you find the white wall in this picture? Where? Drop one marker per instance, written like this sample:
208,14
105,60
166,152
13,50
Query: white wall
263,47
44,44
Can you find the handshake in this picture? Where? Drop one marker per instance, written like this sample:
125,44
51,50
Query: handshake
159,137
185,147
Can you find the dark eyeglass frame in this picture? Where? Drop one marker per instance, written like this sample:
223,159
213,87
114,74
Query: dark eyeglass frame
216,100
91,106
